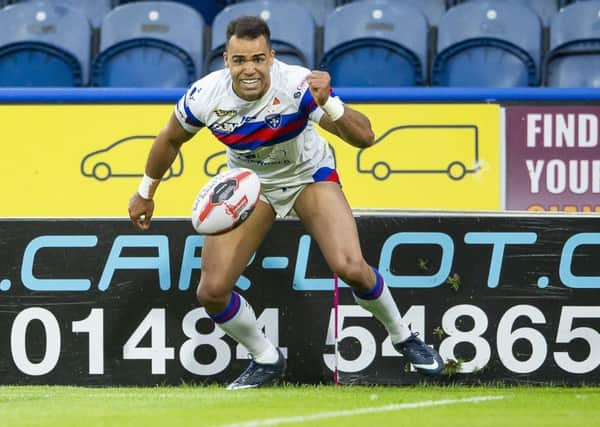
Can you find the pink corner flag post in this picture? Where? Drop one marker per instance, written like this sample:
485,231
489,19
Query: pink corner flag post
335,327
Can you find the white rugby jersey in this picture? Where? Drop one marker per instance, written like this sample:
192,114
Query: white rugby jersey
274,135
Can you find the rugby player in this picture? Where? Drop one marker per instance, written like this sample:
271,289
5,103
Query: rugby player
265,112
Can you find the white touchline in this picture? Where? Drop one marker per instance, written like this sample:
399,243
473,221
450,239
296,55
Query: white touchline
360,411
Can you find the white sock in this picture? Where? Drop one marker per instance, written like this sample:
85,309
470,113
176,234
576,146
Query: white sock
239,322
384,309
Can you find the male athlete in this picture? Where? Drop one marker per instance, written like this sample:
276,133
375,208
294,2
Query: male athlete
264,111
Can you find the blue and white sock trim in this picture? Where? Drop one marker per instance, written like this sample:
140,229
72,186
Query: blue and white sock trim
230,311
375,292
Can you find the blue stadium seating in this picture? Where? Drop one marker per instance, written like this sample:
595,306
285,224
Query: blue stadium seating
149,44
544,9
488,44
95,10
292,31
319,9
375,43
207,8
574,56
43,45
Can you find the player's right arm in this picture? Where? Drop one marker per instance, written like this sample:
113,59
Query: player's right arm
162,154
188,117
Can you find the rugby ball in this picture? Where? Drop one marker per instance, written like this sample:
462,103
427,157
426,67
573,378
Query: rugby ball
225,201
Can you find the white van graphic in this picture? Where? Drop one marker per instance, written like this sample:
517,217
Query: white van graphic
426,149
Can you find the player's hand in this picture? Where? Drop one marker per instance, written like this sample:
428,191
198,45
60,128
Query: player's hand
140,211
319,84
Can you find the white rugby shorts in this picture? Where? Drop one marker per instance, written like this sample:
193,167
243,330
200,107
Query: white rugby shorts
285,170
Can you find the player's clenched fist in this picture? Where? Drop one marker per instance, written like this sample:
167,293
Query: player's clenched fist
319,83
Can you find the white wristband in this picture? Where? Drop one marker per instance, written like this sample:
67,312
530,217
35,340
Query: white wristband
333,107
147,187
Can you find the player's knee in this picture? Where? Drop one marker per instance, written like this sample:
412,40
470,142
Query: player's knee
211,296
351,270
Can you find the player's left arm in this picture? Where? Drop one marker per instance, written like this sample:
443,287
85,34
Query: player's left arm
341,120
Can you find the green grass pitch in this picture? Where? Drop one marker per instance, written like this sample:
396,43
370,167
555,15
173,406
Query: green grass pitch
299,405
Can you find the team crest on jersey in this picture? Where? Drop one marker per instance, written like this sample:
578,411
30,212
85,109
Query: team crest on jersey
273,120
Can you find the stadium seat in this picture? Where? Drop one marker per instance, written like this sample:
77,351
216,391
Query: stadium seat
488,44
544,9
149,44
207,8
432,9
43,45
573,59
292,31
319,9
95,10
375,43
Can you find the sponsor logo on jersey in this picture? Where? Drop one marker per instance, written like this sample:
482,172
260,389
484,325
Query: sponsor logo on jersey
223,127
225,113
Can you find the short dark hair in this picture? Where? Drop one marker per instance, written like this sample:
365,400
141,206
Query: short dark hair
248,27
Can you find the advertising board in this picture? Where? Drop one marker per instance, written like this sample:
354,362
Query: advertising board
87,160
553,158
504,298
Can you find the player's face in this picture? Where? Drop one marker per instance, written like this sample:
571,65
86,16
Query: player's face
248,61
